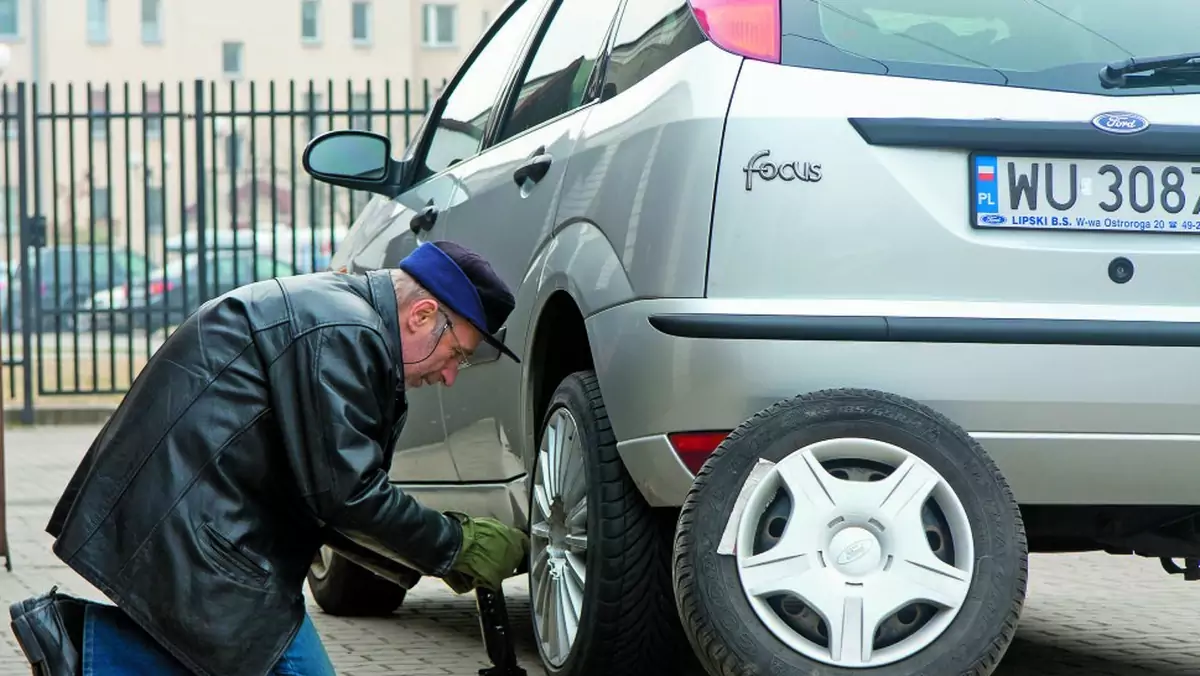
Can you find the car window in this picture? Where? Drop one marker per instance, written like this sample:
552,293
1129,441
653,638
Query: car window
469,105
268,268
137,265
557,78
226,273
651,34
1048,44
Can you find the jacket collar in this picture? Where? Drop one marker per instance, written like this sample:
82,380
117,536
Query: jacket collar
383,298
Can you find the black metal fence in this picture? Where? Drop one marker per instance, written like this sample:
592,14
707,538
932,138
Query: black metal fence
127,206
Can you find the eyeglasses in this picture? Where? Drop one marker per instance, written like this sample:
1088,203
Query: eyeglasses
464,359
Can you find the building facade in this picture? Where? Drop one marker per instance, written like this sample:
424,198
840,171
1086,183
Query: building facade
119,116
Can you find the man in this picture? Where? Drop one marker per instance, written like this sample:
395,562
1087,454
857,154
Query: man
266,421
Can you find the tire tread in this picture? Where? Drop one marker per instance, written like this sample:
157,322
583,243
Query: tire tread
635,618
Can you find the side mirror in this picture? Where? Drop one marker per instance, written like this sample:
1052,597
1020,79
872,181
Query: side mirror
359,160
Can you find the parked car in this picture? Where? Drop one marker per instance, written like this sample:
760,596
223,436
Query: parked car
829,312
304,248
170,295
66,277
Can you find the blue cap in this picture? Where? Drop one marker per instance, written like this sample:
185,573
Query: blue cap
464,282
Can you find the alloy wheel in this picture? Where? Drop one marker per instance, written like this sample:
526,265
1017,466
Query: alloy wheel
558,568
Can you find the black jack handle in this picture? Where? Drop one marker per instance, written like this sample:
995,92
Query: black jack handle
497,634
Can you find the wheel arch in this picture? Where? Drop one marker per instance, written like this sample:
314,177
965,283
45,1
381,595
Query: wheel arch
576,274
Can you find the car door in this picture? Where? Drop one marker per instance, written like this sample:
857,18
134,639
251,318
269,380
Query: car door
505,209
388,230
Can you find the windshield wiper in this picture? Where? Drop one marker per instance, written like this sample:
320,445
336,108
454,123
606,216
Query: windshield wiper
1161,69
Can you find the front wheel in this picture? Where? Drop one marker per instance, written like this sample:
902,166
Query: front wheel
846,531
599,574
342,587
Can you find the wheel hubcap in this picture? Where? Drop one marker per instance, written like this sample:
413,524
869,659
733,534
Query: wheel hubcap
558,571
853,552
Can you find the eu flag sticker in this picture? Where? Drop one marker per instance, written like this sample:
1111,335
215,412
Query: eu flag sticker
987,199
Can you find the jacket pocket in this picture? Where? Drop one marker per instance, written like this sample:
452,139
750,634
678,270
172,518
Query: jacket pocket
229,559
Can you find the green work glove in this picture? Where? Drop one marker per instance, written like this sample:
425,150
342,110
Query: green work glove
490,553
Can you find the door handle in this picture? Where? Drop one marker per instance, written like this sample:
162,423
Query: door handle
535,168
424,219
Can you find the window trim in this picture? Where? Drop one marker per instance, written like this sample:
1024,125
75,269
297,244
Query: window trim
429,32
157,37
317,38
103,19
491,137
241,59
418,150
16,34
369,7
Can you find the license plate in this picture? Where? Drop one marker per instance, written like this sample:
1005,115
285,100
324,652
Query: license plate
1042,193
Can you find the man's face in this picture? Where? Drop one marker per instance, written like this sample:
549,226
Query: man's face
434,344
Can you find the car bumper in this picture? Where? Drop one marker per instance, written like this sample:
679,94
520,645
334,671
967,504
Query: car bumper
1073,411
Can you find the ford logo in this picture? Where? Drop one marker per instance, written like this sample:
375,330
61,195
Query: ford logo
1120,123
993,219
855,551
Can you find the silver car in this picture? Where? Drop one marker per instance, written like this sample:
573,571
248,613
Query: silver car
830,311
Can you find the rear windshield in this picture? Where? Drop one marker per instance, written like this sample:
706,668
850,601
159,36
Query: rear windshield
1042,44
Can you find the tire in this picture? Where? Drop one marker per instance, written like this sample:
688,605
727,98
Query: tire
627,622
977,510
343,588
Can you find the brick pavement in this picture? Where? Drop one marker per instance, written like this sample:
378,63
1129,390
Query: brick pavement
1092,615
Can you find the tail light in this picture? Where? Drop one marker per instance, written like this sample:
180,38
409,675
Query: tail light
749,28
693,448
158,287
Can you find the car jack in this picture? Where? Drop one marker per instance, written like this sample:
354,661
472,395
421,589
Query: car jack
1190,570
497,634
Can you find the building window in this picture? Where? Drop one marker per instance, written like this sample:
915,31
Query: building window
152,109
97,20
314,122
310,20
9,26
437,25
231,59
100,204
154,207
12,104
360,108
360,20
151,21
98,110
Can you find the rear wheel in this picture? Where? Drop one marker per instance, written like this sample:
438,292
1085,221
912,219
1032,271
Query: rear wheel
599,574
341,587
850,530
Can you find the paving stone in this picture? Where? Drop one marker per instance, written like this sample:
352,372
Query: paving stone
1087,615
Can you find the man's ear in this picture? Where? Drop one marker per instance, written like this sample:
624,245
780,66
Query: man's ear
420,312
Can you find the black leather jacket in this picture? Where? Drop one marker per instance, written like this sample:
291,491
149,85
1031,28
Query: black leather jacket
268,417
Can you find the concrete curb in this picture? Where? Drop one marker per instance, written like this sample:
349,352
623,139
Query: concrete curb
60,415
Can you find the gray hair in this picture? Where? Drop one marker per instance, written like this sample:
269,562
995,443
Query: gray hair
408,291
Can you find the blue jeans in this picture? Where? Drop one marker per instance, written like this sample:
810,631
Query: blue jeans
113,645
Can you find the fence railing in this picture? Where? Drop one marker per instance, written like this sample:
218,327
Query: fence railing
124,207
